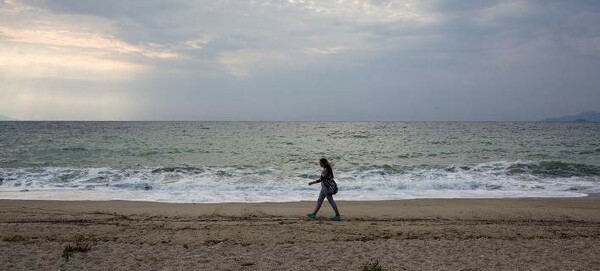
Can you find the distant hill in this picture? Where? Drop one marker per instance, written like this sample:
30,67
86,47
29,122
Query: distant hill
6,118
590,116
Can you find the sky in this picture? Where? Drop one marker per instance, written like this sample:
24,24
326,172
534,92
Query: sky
299,60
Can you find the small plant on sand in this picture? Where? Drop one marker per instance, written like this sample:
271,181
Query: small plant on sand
372,266
77,247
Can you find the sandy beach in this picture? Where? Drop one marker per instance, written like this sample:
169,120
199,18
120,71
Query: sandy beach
458,234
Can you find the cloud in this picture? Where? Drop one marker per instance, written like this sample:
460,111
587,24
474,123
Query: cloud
502,13
367,11
36,63
328,50
373,59
13,7
37,43
241,63
195,44
59,37
61,53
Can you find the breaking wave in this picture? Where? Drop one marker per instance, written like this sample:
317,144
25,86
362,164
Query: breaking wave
186,183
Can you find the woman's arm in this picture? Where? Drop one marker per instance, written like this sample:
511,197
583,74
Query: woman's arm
328,174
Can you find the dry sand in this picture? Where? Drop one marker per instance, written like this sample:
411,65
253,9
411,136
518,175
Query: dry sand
478,234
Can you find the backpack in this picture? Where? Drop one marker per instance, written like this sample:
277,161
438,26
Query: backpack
330,186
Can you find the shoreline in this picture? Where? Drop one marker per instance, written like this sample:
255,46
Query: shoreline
423,234
586,195
78,199
455,208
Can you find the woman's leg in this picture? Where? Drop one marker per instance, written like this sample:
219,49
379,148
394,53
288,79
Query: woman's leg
333,205
319,202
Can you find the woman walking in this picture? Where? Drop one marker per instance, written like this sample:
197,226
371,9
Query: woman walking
328,189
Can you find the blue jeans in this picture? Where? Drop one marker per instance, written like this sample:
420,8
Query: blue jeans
322,197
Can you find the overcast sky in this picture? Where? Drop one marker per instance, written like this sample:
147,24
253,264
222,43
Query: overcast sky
298,60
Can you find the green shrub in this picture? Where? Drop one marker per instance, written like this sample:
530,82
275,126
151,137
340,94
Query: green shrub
77,247
372,266
13,238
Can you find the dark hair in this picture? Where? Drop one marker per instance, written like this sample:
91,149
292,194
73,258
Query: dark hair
327,165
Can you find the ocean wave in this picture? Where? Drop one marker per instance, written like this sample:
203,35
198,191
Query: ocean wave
554,168
186,183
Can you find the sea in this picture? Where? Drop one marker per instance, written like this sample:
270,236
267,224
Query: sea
212,162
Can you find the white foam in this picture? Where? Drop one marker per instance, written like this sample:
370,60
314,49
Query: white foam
186,184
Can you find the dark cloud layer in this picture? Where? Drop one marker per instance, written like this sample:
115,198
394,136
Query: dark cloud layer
318,60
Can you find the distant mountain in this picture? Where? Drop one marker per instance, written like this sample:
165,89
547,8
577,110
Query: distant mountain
6,118
590,116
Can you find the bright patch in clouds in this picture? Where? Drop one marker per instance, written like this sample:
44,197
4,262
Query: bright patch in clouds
78,40
60,53
51,45
59,63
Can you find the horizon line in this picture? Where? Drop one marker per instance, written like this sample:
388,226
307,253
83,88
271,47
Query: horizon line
550,121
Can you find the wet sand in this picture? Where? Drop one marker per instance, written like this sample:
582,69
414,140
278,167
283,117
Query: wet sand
457,234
